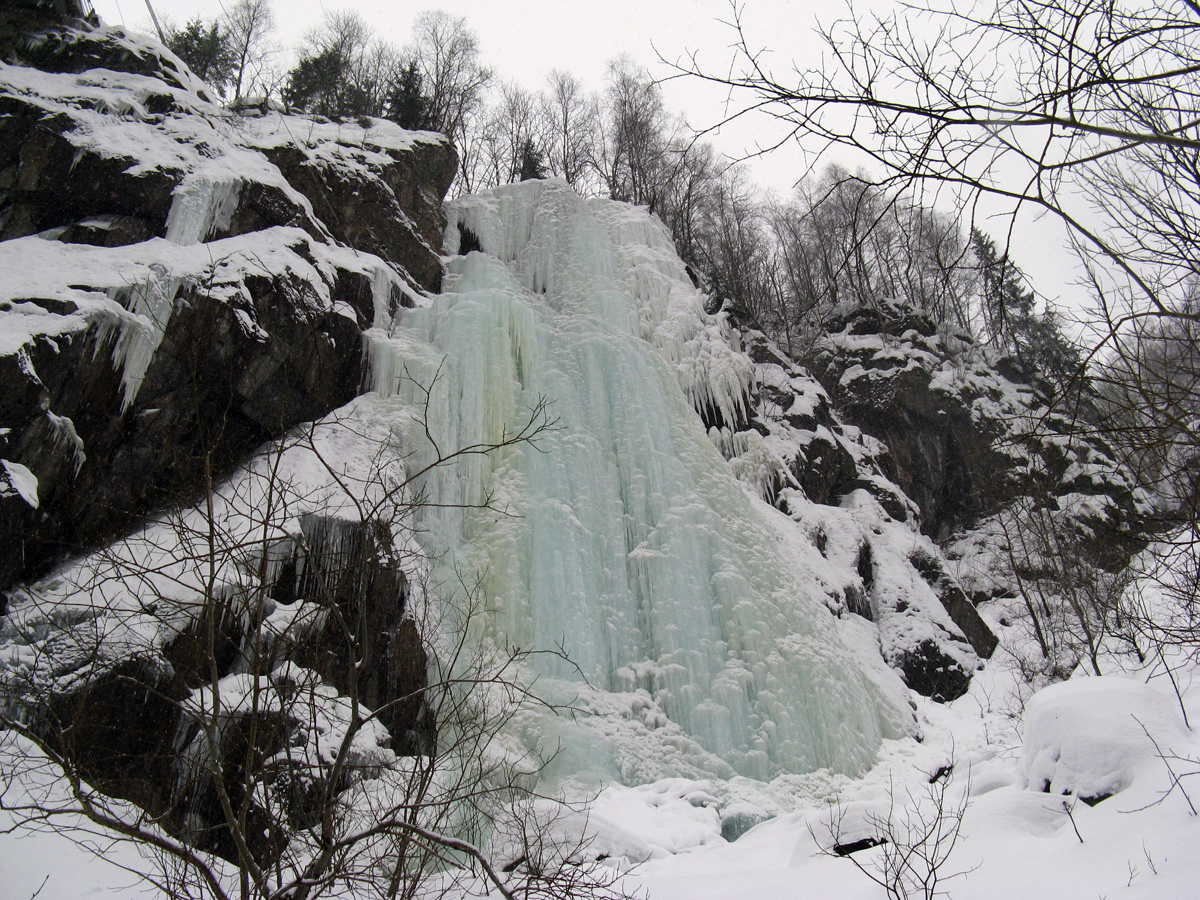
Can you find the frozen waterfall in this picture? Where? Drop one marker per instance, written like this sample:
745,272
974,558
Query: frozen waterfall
620,535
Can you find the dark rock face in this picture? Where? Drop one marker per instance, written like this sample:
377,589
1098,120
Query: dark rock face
879,367
243,357
928,671
113,144
385,203
928,631
963,441
983,641
118,728
386,664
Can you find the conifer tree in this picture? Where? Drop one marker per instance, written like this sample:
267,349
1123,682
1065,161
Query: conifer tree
406,105
207,50
1035,344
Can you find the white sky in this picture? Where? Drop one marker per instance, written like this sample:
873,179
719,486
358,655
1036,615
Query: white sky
524,40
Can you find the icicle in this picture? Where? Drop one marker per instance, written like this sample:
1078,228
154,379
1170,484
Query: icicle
197,208
138,338
200,206
66,436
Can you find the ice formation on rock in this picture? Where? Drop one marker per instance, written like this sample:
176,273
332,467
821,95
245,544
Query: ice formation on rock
619,534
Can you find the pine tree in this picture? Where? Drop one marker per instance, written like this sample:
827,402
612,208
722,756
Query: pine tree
1038,352
321,85
533,163
406,105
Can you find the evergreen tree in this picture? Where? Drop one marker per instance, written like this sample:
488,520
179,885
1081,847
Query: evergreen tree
1038,350
533,162
208,52
320,84
406,105
1005,297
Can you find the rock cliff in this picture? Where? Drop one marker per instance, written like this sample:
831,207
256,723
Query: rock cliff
183,282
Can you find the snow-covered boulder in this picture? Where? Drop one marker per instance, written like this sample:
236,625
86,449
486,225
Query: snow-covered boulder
1089,736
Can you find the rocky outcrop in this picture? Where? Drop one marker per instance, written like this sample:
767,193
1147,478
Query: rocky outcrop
822,456
832,479
962,440
188,282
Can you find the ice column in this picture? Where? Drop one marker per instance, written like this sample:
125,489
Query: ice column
620,534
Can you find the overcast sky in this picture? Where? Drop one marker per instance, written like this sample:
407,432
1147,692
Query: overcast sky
525,40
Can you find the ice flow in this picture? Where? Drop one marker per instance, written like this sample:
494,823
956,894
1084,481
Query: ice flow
618,534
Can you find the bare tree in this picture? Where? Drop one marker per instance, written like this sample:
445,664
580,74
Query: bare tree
249,24
514,135
571,122
906,849
446,52
317,719
344,70
1081,109
636,135
842,239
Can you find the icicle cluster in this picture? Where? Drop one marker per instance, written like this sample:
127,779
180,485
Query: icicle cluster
198,206
618,534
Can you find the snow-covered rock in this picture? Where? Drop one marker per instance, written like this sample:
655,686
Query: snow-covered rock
179,281
963,441
1089,736
796,453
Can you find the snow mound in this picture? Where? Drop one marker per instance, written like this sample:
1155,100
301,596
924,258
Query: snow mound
1089,736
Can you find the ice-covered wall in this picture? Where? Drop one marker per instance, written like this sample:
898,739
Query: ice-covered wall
617,534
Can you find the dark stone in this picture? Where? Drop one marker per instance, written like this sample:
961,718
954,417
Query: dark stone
195,811
48,182
825,469
930,672
962,611
392,210
213,392
117,728
74,48
239,364
468,241
348,567
885,493
208,647
954,429
108,231
861,844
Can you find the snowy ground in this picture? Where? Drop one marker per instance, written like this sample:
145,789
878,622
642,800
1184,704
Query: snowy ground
1084,737
1015,841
